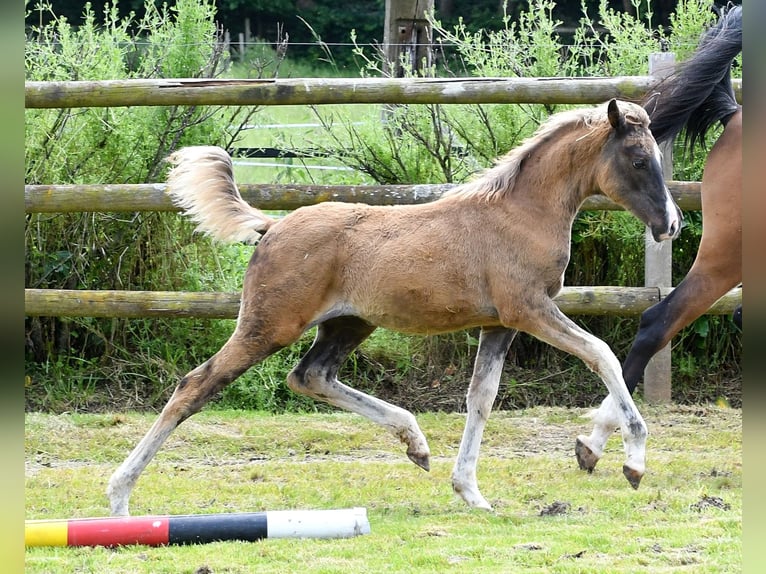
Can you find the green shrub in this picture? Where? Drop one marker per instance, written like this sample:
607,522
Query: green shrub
153,251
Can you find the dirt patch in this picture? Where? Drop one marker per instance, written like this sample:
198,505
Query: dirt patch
555,509
710,502
52,441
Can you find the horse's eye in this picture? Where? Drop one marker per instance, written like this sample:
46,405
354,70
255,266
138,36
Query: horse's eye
639,163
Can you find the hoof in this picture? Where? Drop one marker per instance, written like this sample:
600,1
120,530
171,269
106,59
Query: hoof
472,497
633,476
586,458
421,460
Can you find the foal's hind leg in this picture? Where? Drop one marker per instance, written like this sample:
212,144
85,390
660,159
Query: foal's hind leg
493,347
315,376
191,394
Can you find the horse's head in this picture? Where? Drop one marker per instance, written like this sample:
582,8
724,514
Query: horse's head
631,174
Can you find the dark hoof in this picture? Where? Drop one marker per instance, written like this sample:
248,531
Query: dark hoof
421,461
737,316
633,476
585,457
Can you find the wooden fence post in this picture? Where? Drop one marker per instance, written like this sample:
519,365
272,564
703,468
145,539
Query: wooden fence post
406,35
658,261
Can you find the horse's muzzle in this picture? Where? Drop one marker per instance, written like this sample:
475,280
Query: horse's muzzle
673,227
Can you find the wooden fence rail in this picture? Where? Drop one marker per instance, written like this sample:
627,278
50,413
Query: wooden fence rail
623,301
152,196
308,91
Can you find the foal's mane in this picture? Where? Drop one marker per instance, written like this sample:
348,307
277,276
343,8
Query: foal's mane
590,125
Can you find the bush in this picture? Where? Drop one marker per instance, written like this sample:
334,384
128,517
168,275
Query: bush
154,251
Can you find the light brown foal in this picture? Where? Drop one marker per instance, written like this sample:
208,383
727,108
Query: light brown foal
492,254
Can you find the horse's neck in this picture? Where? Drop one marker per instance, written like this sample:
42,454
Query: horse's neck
555,181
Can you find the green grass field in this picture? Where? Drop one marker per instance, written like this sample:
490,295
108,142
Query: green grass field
298,128
548,515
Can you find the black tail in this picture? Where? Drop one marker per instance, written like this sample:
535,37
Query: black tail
699,93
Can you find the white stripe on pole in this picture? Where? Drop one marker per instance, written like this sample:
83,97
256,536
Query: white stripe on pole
341,523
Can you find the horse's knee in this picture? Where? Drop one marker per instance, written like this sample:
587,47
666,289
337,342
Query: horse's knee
603,362
296,382
196,389
184,402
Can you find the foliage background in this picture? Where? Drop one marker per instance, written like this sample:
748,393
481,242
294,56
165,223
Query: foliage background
272,19
106,364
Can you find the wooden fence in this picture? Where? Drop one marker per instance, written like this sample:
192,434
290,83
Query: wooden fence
151,197
318,91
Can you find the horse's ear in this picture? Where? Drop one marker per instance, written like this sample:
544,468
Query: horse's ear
615,115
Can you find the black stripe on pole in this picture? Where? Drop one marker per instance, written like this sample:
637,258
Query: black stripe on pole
201,529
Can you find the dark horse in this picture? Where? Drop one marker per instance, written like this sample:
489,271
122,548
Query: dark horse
490,254
697,96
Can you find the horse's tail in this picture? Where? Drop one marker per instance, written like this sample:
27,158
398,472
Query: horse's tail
699,93
202,184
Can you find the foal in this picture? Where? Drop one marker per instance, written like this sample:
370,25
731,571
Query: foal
490,254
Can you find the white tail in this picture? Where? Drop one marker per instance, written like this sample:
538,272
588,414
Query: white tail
202,184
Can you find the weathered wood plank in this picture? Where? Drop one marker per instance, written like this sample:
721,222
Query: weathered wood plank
109,303
624,301
152,197
306,91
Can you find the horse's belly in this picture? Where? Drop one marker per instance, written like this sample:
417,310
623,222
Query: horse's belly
423,312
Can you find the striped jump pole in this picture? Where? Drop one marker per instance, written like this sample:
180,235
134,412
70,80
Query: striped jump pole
197,528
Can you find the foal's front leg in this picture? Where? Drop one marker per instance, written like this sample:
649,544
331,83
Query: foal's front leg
493,347
589,449
659,324
549,324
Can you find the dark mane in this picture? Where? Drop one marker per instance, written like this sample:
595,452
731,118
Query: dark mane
699,93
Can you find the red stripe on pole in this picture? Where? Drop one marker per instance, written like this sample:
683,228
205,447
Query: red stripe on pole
150,530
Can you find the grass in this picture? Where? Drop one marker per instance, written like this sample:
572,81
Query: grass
685,517
297,128
294,127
